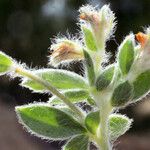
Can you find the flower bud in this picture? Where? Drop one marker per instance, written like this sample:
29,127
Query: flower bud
142,62
65,51
100,22
139,75
141,38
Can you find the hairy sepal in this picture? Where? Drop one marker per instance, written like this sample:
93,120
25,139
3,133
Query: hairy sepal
89,39
89,68
126,54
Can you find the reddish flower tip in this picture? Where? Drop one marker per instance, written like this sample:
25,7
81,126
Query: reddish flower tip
83,16
141,38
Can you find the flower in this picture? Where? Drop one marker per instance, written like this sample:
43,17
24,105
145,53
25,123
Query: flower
142,38
65,50
142,58
90,15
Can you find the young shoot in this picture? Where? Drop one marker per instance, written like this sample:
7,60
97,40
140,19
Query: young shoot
104,89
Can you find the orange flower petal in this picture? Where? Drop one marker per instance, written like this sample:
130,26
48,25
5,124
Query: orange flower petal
83,16
141,38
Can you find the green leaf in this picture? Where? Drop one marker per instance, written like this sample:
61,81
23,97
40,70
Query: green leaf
122,94
5,63
126,54
48,122
67,110
91,101
105,78
92,121
89,39
141,85
89,68
75,96
118,125
60,79
80,142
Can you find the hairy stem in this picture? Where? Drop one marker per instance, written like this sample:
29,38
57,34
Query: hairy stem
102,100
53,90
103,132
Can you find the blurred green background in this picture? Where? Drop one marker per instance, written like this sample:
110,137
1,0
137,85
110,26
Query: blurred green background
26,27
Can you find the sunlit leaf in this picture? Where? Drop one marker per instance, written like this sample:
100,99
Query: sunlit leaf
60,79
48,122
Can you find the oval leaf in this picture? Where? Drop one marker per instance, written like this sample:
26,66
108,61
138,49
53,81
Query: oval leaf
126,54
92,121
122,94
75,96
80,142
60,79
141,85
48,122
89,39
118,125
105,78
5,63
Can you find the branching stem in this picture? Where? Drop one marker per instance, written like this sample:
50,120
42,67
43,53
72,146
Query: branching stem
102,99
26,73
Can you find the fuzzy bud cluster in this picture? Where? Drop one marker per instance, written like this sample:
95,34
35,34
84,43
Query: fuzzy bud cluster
142,50
100,22
65,51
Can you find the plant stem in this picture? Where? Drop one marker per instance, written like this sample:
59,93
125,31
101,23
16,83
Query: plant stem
53,90
102,100
103,132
